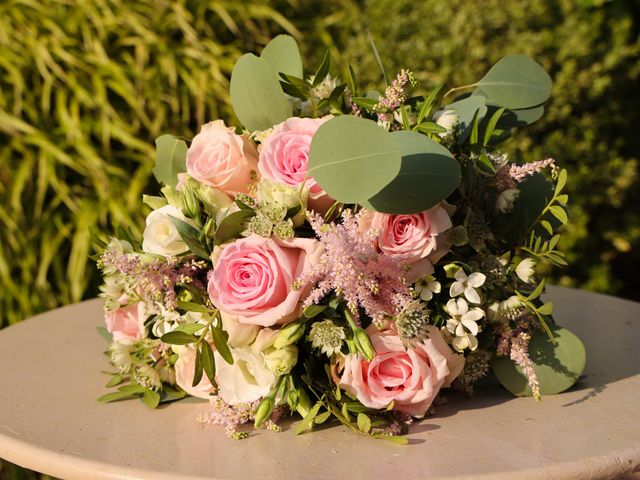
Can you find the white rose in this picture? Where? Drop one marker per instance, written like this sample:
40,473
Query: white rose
447,119
240,334
161,236
247,380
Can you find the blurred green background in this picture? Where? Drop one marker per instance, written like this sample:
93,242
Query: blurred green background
86,86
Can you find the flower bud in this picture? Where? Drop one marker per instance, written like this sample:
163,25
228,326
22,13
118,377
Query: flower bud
263,412
304,403
209,228
190,204
451,269
289,334
281,361
363,344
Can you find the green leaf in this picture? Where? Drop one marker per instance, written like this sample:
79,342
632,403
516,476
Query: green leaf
151,398
429,173
377,57
473,137
190,235
323,417
154,202
313,310
546,309
547,226
353,159
104,333
208,362
283,55
425,108
537,291
562,181
189,328
430,127
193,307
560,213
115,380
171,154
516,82
353,83
323,70
364,423
232,226
557,364
398,440
562,199
198,369
131,389
365,102
491,126
177,337
256,94
220,341
307,422
467,109
115,396
405,117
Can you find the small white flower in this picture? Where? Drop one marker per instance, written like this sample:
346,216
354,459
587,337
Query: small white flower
247,380
462,324
447,119
467,285
120,356
526,269
506,199
427,286
325,87
147,376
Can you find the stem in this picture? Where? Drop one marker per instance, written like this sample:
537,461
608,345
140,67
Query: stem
206,328
455,89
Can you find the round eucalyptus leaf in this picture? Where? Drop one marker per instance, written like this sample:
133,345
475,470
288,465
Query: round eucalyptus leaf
283,55
428,174
516,82
466,109
256,94
558,366
353,158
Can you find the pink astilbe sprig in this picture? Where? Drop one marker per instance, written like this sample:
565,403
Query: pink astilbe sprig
154,279
351,266
394,95
510,175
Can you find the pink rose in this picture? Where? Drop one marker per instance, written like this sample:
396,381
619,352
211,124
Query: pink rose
284,157
126,323
253,276
220,158
185,368
410,378
411,238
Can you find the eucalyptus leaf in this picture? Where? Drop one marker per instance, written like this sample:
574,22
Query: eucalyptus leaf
557,365
232,225
429,173
516,82
283,55
171,154
256,94
353,158
467,109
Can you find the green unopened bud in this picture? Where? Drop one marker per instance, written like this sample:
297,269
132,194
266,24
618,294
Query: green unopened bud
451,269
263,412
281,361
209,228
363,344
190,204
289,334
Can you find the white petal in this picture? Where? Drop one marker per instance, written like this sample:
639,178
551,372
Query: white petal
472,341
476,279
452,308
462,305
471,295
459,343
435,287
460,276
426,294
471,326
460,330
452,324
456,289
473,315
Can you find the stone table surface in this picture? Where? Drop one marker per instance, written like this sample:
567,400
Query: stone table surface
50,420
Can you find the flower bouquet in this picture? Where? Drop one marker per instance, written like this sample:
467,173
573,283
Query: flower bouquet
346,255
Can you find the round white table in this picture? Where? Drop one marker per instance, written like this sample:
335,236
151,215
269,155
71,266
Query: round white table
50,420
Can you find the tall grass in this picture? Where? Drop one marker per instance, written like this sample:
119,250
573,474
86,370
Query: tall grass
85,87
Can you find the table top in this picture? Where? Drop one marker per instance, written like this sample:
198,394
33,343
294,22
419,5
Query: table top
50,420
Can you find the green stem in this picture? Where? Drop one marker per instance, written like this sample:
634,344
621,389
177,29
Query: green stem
206,328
